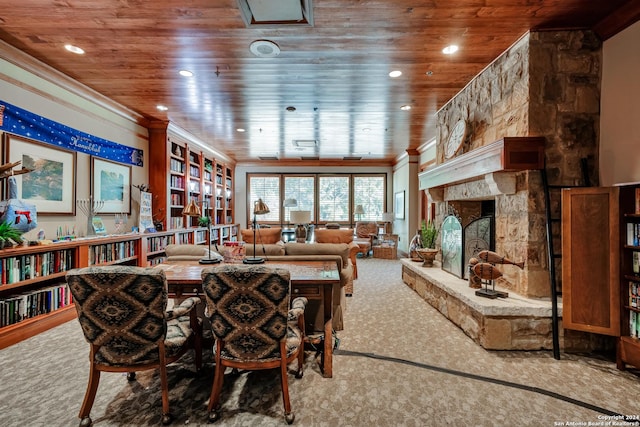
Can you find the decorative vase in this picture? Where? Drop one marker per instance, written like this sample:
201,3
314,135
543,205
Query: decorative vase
428,255
414,245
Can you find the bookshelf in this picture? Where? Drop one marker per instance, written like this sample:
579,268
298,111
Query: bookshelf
32,278
628,350
33,294
181,172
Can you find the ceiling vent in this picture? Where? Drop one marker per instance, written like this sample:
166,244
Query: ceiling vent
276,12
264,49
305,143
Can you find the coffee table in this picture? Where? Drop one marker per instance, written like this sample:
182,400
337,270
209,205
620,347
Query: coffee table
313,280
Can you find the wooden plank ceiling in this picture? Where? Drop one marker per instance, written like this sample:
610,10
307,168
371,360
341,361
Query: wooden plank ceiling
334,73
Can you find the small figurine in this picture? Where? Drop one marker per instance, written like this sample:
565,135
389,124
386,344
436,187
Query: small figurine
494,258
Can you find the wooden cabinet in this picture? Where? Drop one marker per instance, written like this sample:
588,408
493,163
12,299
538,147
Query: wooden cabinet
590,260
600,283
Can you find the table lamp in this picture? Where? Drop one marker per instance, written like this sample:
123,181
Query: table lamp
192,209
387,218
289,203
301,218
259,208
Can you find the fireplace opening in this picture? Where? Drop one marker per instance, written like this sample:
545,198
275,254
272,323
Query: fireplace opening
467,230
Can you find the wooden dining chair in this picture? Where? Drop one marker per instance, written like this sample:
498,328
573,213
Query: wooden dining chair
253,324
123,314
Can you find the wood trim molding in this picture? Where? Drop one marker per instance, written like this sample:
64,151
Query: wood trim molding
617,21
510,154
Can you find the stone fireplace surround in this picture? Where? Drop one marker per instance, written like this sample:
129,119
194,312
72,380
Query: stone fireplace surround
546,84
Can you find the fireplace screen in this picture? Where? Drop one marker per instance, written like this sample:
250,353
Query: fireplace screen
477,237
452,245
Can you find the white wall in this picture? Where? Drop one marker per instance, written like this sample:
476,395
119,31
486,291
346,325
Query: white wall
405,179
40,96
620,109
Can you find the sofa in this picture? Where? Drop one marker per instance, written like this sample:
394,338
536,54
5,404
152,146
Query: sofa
340,235
176,252
340,253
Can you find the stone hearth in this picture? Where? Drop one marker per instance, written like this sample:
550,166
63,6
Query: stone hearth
513,323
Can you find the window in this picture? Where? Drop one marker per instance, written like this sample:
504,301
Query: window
266,188
333,198
302,189
329,198
369,192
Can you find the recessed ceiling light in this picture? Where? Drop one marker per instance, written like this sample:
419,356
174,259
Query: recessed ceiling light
450,49
405,107
240,130
186,73
395,73
74,49
162,107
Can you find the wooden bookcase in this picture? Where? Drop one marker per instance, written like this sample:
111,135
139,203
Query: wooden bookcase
38,273
628,351
179,172
597,265
33,293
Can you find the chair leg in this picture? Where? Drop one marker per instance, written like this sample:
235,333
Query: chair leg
284,381
197,342
164,384
89,396
214,399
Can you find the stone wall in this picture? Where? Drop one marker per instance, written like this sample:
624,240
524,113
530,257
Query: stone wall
547,84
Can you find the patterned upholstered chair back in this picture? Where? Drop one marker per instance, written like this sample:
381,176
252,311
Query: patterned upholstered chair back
248,307
122,310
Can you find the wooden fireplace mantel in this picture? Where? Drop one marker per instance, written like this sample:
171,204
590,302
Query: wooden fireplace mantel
509,154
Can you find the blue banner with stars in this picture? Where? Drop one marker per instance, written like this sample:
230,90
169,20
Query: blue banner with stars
24,123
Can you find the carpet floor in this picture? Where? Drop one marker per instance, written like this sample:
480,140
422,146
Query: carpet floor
399,363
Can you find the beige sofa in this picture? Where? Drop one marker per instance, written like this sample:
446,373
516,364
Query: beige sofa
340,253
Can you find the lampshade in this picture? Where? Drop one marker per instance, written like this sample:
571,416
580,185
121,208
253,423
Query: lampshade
260,208
359,210
387,217
290,203
191,209
300,217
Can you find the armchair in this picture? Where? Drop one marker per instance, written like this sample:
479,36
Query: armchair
122,311
365,234
248,306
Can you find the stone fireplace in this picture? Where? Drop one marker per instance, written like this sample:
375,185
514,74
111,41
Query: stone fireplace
541,96
536,106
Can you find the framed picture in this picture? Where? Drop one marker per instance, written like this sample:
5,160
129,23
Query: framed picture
111,186
398,206
51,184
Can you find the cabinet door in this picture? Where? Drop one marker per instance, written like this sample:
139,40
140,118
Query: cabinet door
591,260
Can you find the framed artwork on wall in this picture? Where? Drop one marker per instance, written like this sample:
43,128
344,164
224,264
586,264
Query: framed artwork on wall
398,205
111,185
51,184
